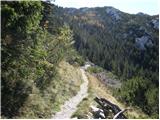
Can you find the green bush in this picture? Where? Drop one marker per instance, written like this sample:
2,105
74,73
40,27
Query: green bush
138,91
95,69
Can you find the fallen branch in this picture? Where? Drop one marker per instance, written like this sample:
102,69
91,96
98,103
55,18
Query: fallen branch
118,114
107,105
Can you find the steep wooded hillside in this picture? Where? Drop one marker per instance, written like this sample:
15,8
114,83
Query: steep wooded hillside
32,86
126,44
37,36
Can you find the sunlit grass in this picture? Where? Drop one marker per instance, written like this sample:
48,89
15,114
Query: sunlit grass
46,104
96,88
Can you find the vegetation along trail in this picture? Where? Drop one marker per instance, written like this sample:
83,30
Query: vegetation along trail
70,106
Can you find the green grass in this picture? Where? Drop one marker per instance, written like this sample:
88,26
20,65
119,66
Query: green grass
111,75
95,69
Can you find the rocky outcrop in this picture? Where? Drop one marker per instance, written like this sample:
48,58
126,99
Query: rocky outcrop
142,41
114,83
155,23
114,13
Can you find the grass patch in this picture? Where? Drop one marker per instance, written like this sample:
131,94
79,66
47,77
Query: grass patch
95,69
96,88
83,110
111,75
46,104
68,85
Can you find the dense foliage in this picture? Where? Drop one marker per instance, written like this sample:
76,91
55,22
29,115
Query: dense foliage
30,54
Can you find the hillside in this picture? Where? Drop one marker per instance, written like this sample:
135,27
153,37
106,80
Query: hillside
125,44
60,90
35,78
97,88
43,47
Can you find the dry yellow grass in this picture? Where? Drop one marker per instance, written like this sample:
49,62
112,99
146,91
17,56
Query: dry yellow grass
102,91
70,75
65,85
96,88
68,84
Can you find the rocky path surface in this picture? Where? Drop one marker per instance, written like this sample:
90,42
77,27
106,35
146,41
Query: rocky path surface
70,106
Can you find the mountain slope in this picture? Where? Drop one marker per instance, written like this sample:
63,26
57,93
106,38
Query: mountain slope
32,85
126,44
37,38
97,88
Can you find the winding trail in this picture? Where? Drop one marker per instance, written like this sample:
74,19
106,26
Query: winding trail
70,106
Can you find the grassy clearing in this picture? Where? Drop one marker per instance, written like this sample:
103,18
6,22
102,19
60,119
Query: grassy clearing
96,88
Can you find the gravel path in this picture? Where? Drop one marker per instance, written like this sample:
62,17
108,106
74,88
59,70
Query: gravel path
70,106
